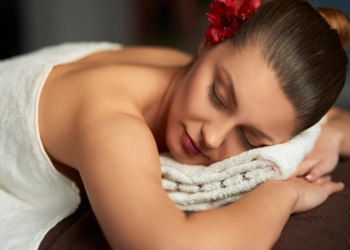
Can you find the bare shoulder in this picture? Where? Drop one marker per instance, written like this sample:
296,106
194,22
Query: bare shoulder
78,96
157,56
115,140
85,134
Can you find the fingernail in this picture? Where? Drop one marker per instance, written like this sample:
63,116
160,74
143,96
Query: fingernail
308,177
341,184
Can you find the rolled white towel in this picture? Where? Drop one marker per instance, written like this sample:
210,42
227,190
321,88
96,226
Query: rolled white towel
198,187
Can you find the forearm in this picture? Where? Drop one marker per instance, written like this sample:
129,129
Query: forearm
339,120
253,222
135,212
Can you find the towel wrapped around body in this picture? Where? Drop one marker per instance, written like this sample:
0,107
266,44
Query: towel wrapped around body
34,196
198,188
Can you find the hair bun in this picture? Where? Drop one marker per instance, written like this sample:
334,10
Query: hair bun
338,21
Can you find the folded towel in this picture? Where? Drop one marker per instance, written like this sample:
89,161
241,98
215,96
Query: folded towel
198,187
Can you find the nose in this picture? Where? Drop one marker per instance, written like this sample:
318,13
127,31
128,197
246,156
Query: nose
215,134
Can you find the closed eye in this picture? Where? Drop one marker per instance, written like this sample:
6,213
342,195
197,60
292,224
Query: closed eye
214,97
246,144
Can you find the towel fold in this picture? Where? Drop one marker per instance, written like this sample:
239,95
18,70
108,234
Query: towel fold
198,187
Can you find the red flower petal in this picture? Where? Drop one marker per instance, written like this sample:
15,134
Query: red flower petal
217,7
212,6
228,31
247,9
213,19
212,35
225,17
256,3
231,3
237,5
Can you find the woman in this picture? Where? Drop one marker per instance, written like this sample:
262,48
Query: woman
107,115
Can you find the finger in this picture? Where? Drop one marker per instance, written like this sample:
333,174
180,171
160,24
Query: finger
323,179
332,187
314,174
305,166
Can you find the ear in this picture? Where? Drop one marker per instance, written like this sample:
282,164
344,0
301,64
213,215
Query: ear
202,47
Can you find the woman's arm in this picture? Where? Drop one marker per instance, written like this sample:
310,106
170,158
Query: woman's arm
119,164
333,141
339,120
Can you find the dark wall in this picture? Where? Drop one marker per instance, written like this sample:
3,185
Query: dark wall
9,28
344,6
31,24
27,25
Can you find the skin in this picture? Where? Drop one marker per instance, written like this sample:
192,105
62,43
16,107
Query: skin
333,142
217,126
97,114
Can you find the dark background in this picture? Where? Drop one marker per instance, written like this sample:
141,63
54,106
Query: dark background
26,25
344,6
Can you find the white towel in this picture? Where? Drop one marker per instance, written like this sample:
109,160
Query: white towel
198,188
33,195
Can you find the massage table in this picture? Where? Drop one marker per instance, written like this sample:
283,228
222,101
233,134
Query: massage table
325,227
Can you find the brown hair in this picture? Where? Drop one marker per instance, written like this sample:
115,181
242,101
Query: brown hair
305,54
338,21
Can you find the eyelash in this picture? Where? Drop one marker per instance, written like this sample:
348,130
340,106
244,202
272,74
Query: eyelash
218,103
213,96
244,140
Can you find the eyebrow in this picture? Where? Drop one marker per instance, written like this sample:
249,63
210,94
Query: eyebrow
234,98
261,134
232,87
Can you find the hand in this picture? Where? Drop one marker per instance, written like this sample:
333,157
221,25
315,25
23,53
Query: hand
323,158
311,195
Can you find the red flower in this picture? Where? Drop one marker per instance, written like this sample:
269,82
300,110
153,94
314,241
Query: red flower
226,16
247,9
223,22
256,3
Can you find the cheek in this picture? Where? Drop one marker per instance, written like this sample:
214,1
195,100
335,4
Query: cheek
233,145
195,101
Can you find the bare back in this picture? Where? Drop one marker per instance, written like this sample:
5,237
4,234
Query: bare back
132,81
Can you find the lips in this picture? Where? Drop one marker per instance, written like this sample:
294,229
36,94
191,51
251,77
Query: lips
190,145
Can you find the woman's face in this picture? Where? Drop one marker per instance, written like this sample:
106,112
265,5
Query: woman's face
228,102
